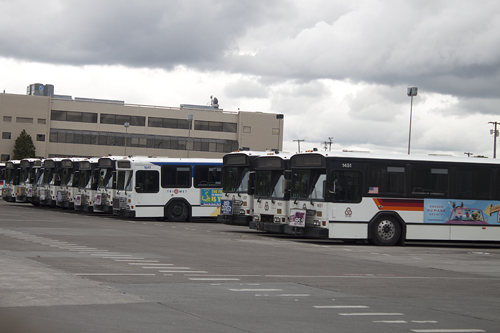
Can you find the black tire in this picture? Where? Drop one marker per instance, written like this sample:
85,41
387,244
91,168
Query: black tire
177,211
385,231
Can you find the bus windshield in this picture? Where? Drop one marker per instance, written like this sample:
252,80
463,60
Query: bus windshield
308,184
106,178
279,188
236,179
124,180
262,183
65,176
47,176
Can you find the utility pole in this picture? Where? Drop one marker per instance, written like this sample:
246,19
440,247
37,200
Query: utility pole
495,134
298,141
468,154
330,139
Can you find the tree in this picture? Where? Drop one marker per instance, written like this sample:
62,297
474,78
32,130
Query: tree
23,147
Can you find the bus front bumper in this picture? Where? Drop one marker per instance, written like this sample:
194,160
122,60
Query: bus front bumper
267,226
306,232
234,219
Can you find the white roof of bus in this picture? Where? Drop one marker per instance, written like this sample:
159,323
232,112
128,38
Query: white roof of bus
145,159
403,157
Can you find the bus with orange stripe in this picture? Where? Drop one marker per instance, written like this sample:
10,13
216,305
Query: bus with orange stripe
389,199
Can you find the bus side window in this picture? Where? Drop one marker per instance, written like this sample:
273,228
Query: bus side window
427,180
346,186
147,181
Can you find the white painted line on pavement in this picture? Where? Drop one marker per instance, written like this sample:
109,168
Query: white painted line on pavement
371,314
143,262
256,289
445,330
214,279
113,274
182,271
341,307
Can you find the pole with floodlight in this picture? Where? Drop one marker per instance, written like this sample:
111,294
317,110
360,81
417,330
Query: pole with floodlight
126,125
190,120
411,92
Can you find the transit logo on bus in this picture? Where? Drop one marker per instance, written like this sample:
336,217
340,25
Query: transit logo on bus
461,211
210,197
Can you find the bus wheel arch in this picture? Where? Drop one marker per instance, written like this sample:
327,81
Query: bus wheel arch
387,229
177,210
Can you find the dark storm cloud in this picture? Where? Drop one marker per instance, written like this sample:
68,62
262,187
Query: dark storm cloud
448,47
131,33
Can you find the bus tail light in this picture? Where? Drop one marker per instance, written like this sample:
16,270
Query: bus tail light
324,223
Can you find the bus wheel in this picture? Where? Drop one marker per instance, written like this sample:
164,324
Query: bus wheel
385,231
177,211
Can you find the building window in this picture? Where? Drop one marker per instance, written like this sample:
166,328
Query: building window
24,120
42,121
168,123
7,119
118,119
247,129
215,126
73,116
140,140
40,137
6,135
4,157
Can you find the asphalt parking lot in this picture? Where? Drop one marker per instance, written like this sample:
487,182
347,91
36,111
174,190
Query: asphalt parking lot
68,272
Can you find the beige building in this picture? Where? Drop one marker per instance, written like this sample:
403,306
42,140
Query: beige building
66,126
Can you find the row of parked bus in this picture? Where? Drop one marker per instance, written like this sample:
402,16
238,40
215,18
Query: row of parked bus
170,188
385,199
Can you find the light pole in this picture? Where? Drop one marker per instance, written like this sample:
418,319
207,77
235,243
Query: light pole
190,119
126,125
411,92
495,135
279,117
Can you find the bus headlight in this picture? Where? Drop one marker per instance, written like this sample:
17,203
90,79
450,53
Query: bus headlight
316,223
256,218
277,219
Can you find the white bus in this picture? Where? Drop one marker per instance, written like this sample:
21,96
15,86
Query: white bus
106,184
86,184
238,187
175,189
50,181
66,191
2,177
272,192
388,199
28,177
12,174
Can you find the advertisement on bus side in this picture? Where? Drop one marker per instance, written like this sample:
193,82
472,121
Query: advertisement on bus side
210,197
461,211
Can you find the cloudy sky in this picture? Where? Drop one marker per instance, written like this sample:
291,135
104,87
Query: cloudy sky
336,69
